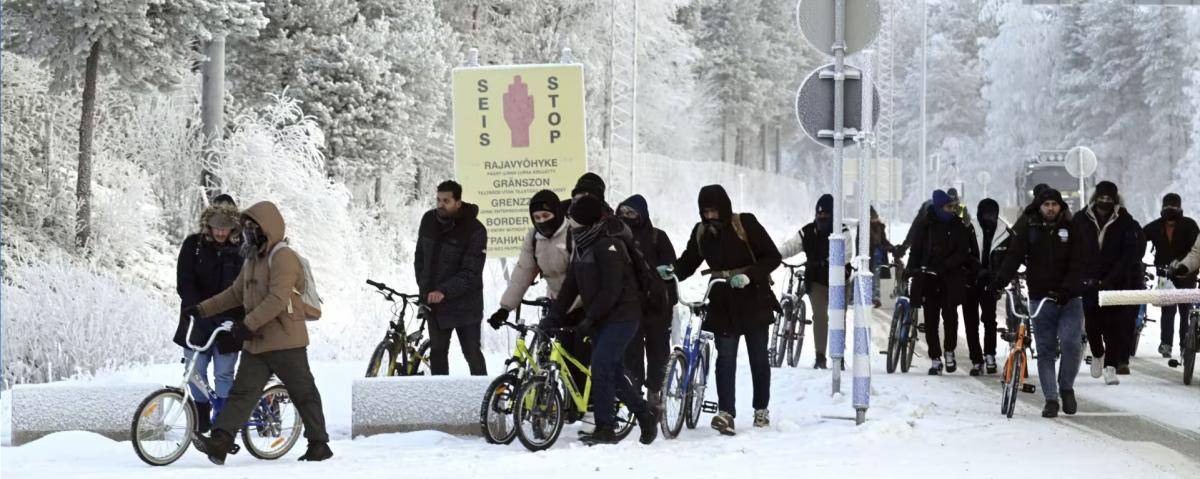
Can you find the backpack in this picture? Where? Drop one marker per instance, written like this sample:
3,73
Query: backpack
655,296
309,299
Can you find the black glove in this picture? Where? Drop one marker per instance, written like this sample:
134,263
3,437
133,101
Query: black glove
1057,296
992,290
1091,284
900,250
240,332
192,311
549,322
498,318
1179,271
584,328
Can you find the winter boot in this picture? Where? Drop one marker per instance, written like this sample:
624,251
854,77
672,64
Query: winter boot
1165,350
648,423
203,417
820,363
217,445
762,418
1051,409
936,368
654,402
1123,369
1110,376
1098,367
951,364
1069,405
317,451
977,369
723,423
604,434
989,363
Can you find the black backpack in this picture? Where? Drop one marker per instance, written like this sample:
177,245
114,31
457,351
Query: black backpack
655,296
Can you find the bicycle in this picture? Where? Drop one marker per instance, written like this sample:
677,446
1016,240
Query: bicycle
1017,365
1158,281
686,376
406,353
164,424
1188,346
540,412
902,335
787,332
496,419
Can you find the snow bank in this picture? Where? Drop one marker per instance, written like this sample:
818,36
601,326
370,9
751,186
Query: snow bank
403,404
107,410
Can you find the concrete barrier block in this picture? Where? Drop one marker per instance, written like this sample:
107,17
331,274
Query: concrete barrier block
42,409
448,404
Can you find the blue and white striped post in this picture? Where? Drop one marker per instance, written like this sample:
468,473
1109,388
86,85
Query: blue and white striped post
864,286
837,241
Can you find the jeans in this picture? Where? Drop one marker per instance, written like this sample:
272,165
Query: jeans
291,366
609,382
1058,327
223,365
980,308
760,369
468,340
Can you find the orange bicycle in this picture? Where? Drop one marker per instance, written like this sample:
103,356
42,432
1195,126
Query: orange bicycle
1016,367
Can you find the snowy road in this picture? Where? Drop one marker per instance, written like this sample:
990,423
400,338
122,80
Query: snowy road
917,426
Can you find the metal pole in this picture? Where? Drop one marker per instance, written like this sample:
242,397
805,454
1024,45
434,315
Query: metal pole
864,290
924,81
837,241
633,132
212,101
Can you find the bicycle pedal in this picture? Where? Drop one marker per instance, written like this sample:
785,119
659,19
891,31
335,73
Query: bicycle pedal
808,321
709,407
235,449
1028,388
921,327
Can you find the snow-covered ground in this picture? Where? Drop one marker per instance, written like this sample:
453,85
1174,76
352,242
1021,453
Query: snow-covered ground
918,426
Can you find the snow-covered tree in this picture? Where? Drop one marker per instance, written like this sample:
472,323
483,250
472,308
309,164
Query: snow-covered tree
143,42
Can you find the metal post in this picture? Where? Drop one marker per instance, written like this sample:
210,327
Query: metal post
864,289
924,81
473,57
212,101
837,241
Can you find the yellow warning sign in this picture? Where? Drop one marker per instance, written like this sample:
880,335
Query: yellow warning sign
517,130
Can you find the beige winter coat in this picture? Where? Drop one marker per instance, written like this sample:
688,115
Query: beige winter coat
265,292
543,256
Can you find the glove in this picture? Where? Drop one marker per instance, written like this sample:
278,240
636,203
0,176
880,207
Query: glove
739,281
992,290
1179,271
900,250
192,311
584,328
549,322
498,318
1057,296
240,332
665,271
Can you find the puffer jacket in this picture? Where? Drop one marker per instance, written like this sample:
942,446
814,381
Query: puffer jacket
449,259
265,291
540,256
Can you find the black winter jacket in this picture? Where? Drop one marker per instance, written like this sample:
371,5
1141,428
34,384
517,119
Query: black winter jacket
602,277
1054,255
944,248
449,258
1175,249
653,243
1114,252
204,269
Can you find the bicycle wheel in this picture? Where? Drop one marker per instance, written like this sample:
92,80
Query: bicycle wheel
673,395
275,425
383,360
162,427
496,412
625,421
1191,341
696,389
412,366
539,414
1014,372
909,338
894,338
796,341
778,328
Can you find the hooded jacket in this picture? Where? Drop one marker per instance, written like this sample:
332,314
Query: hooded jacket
990,252
1176,248
653,243
943,246
1114,250
733,311
540,256
449,259
1053,251
204,269
265,290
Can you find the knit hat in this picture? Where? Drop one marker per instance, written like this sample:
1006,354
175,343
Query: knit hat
591,184
953,193
1106,188
941,199
1050,194
587,210
825,204
544,200
1172,199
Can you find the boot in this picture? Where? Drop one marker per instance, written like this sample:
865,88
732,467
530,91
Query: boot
977,369
1110,376
317,451
1069,405
723,423
203,417
604,434
951,364
648,423
217,445
820,363
1123,369
1097,366
762,418
936,368
1051,409
989,362
654,401
1165,350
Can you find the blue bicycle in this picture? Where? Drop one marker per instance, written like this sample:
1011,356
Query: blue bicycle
902,335
164,425
686,375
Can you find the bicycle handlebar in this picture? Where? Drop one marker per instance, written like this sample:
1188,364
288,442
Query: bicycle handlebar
794,266
542,302
385,289
696,304
1012,306
224,327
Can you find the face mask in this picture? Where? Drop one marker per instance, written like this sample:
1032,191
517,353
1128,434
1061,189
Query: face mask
1171,214
825,225
713,227
252,240
1105,207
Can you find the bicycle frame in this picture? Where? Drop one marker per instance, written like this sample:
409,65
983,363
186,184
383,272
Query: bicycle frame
1021,342
694,337
407,345
191,375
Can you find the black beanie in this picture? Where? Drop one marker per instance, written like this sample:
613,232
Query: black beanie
1106,188
1172,199
544,200
591,184
1037,190
825,204
587,210
1051,194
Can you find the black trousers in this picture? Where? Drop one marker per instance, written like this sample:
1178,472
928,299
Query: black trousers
291,365
1168,315
1110,332
653,338
980,308
468,340
934,304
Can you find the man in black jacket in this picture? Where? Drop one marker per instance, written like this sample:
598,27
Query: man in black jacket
208,263
654,335
1115,246
451,250
1172,235
601,275
813,241
738,249
1054,257
939,263
992,236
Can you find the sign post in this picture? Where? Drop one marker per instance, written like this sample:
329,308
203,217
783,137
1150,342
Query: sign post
1081,163
517,130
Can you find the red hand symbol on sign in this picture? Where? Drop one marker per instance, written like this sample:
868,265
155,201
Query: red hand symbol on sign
518,112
